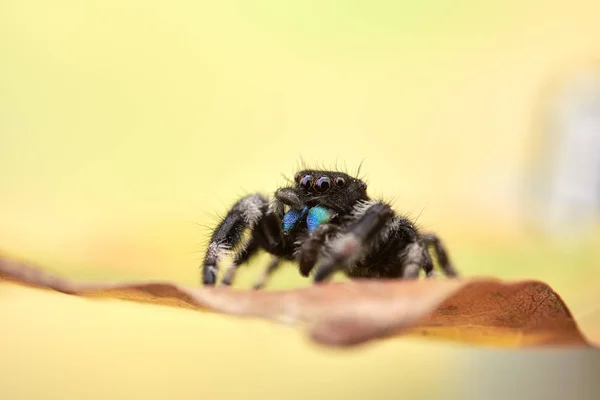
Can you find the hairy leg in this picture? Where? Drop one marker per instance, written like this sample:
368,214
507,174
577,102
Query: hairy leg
246,213
349,246
271,267
238,260
414,258
309,252
441,254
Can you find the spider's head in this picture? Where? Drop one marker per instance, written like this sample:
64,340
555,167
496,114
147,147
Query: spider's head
332,189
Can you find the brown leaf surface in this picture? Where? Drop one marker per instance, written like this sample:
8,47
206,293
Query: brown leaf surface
481,311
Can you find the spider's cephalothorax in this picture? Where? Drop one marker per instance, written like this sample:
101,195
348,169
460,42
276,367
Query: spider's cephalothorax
325,219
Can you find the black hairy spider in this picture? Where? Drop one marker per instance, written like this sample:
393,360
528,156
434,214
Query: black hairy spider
324,219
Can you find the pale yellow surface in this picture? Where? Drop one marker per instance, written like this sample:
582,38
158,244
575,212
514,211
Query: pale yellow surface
70,348
126,125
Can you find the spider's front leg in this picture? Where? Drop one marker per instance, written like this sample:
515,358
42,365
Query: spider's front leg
351,245
310,250
383,244
250,212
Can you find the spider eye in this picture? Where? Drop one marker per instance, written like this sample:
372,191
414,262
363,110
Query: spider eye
306,181
340,182
322,184
297,177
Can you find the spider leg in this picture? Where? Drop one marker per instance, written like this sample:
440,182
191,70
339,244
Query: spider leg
310,250
271,267
249,212
414,258
239,259
349,247
433,240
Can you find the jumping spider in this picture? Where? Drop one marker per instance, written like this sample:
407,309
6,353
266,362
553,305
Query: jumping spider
324,219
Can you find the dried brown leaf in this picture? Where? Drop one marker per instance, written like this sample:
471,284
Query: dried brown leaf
482,311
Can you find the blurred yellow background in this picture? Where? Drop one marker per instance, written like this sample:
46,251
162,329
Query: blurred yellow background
127,126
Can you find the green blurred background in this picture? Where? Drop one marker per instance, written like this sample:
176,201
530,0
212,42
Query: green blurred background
127,126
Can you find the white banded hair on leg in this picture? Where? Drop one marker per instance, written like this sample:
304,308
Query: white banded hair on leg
227,236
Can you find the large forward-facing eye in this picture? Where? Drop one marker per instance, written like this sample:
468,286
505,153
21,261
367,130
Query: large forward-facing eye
306,182
322,184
